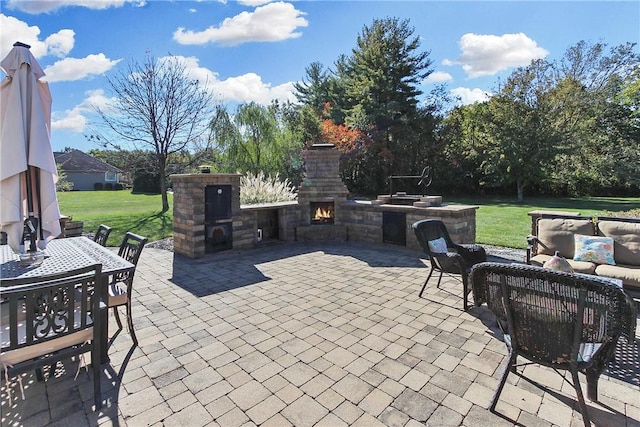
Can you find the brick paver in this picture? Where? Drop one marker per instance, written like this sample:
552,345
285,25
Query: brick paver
318,334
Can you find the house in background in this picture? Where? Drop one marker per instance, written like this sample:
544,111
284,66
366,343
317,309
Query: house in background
85,171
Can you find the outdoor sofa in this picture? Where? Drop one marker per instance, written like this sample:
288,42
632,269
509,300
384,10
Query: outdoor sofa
603,246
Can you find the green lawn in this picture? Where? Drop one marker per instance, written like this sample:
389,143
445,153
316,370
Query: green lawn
500,221
121,210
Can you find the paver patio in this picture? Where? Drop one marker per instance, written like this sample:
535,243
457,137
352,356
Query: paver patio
325,334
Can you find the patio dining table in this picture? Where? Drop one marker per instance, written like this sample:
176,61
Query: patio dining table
65,254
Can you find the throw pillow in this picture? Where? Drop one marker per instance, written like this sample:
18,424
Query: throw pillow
438,246
594,249
558,263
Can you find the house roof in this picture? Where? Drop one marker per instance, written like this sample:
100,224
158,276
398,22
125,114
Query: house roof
77,161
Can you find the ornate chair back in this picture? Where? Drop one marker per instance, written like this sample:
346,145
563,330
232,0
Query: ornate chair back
102,235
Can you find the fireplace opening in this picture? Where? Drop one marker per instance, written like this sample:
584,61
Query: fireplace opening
218,237
321,212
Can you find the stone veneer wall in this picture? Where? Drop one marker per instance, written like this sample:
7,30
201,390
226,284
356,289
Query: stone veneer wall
364,221
189,208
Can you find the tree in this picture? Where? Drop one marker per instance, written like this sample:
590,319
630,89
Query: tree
598,124
523,139
382,75
376,91
564,126
156,106
316,90
259,138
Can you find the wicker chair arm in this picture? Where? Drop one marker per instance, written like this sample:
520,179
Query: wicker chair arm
629,315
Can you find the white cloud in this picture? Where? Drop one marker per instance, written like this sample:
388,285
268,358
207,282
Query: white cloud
271,22
72,120
250,87
485,55
70,69
75,120
13,30
46,6
253,3
244,88
60,43
438,77
470,96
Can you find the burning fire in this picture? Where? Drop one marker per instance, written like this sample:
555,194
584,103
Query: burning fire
323,214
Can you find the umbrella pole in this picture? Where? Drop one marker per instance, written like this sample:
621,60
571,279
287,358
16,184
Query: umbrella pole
36,173
31,222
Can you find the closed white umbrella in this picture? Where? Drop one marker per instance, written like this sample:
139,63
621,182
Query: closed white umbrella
28,172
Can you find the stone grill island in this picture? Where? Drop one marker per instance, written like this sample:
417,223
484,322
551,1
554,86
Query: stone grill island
208,217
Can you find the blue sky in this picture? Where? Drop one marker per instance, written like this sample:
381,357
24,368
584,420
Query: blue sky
253,50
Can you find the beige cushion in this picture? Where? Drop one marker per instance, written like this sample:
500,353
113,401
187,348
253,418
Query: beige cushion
117,294
577,266
556,234
629,274
18,355
626,240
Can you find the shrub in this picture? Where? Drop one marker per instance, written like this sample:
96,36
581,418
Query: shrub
98,186
118,186
108,186
146,183
63,184
265,189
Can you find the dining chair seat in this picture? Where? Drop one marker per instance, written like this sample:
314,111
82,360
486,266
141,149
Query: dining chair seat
117,295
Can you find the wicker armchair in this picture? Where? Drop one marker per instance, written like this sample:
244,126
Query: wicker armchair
458,259
560,320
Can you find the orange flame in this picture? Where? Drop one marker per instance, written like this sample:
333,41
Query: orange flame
323,214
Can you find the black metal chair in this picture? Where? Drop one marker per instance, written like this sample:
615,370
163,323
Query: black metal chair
49,319
456,261
561,320
102,235
120,289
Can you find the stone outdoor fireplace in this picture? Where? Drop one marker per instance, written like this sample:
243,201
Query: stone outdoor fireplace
322,196
208,216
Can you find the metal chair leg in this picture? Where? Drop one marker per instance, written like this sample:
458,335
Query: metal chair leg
465,292
510,365
425,283
583,404
130,323
439,280
115,312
